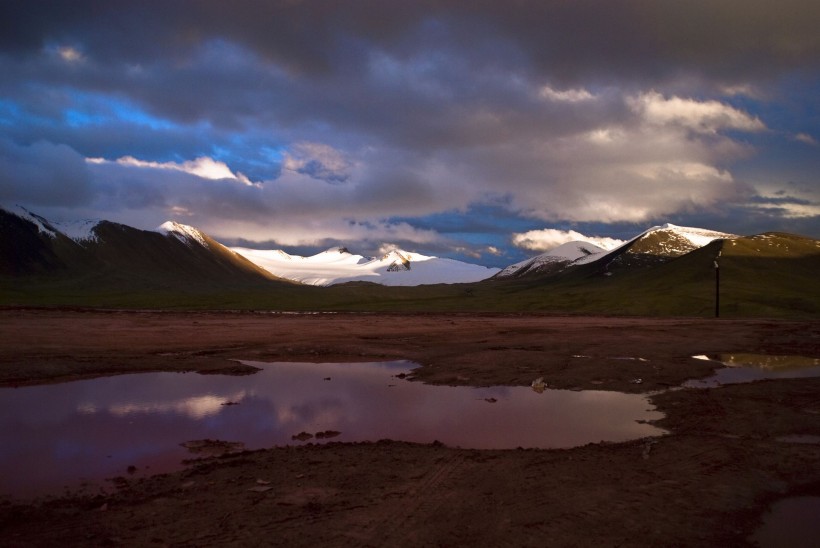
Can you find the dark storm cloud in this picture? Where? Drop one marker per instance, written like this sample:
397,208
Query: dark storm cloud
451,60
583,111
568,39
43,174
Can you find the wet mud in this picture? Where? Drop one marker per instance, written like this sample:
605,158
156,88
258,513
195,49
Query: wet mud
729,455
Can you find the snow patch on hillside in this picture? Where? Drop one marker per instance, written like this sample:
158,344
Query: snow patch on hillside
698,237
43,225
184,233
569,253
80,231
338,265
695,238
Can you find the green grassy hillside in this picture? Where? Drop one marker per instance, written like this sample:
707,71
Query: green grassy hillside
765,275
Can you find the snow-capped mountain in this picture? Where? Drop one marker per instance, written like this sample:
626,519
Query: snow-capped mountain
657,245
664,270
184,233
338,265
174,254
672,240
554,260
653,246
80,231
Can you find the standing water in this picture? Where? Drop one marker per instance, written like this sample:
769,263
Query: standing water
741,368
62,434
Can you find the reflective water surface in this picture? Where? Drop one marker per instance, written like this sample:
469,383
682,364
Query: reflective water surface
60,434
742,368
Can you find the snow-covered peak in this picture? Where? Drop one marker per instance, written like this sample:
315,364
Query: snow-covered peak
334,255
698,237
575,252
184,233
80,231
338,265
671,241
43,225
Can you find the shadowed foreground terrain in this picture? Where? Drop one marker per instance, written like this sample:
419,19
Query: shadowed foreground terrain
705,483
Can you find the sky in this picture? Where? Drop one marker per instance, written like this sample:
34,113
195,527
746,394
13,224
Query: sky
480,130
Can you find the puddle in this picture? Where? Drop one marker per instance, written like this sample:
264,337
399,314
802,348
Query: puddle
790,522
741,368
112,426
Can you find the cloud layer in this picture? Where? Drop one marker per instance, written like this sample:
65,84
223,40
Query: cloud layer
303,123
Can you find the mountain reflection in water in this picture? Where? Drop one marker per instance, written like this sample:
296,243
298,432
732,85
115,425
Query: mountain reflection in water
60,434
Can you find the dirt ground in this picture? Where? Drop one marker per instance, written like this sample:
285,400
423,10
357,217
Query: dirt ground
707,482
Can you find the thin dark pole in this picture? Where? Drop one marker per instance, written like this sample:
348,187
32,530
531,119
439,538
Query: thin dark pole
717,285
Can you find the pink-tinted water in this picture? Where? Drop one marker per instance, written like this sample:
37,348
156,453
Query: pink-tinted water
63,434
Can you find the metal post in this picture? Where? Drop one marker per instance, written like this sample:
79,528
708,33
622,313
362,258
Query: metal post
717,286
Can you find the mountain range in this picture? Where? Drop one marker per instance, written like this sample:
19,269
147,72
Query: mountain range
338,265
652,247
31,245
664,270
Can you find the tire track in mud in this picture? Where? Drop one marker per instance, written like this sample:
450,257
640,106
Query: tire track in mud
399,522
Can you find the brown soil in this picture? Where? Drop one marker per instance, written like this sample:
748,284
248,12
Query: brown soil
706,483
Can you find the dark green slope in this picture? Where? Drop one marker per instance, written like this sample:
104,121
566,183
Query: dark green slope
132,253
764,275
25,251
121,266
770,274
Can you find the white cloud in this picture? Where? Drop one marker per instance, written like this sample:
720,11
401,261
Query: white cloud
204,167
791,210
317,160
746,90
698,116
566,96
295,231
806,138
550,238
68,54
684,171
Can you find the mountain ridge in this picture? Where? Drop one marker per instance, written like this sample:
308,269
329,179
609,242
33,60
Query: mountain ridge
101,249
397,267
653,246
175,266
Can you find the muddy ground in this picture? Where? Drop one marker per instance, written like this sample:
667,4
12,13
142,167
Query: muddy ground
705,483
